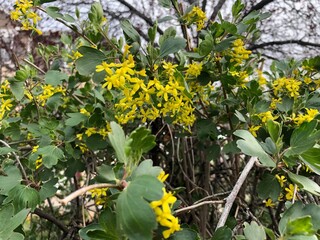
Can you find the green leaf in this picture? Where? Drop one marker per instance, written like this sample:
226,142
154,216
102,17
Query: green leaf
95,14
107,220
254,232
134,215
24,197
185,234
305,183
9,222
250,146
50,155
17,89
48,189
118,141
142,141
229,27
274,129
54,77
285,105
105,173
311,158
54,12
96,142
303,138
165,3
171,45
75,119
269,187
206,46
222,233
84,232
6,150
12,179
224,44
130,32
90,59
240,116
300,226
298,210
146,168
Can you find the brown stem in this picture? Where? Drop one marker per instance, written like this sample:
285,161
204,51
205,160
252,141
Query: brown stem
52,219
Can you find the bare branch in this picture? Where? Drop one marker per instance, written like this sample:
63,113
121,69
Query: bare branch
258,6
199,205
284,42
216,9
52,219
85,189
138,13
232,196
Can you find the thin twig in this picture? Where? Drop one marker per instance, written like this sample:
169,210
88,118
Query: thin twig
33,65
24,174
85,189
199,205
52,219
232,196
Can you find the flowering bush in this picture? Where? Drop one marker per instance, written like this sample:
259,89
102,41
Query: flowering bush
124,140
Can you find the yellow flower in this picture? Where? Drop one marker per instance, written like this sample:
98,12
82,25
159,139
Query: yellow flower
163,176
90,131
84,112
164,217
194,69
290,192
265,116
253,129
38,162
308,117
269,203
169,68
197,16
281,179
6,104
239,53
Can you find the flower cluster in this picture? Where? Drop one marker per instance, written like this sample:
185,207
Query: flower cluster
197,16
286,86
289,190
162,209
307,117
99,195
6,103
239,53
43,92
147,99
23,12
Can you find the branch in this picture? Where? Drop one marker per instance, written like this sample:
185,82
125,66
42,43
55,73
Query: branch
85,189
199,205
52,219
258,6
138,13
284,42
216,9
232,196
24,174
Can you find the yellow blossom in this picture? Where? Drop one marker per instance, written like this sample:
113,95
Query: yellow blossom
197,16
194,69
269,203
164,217
253,129
239,53
290,192
281,179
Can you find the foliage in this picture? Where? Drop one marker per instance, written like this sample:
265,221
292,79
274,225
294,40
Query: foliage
90,137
